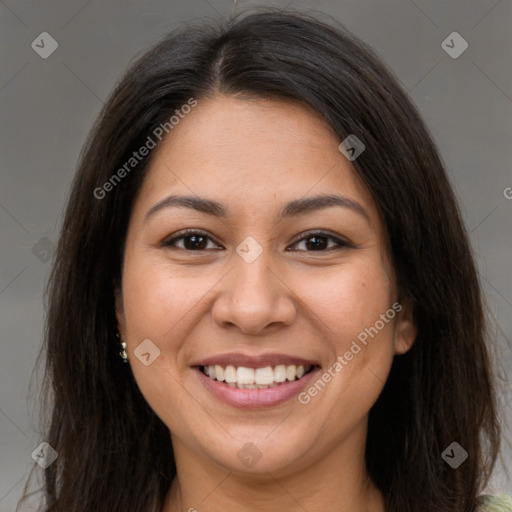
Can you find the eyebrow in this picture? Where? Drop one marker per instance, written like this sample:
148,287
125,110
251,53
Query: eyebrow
291,209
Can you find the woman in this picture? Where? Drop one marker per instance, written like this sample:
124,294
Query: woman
264,296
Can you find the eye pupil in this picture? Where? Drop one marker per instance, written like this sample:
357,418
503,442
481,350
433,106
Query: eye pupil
319,242
197,242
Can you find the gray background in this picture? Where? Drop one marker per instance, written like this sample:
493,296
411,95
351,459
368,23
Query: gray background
48,105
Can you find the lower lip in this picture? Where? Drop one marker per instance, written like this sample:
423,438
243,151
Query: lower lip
256,398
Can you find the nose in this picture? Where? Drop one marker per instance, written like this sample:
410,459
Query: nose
254,298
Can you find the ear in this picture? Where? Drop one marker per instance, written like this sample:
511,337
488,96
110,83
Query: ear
406,329
121,321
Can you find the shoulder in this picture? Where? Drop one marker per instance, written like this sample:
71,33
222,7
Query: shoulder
499,503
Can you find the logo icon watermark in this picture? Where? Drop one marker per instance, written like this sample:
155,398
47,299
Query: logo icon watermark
454,455
147,352
44,45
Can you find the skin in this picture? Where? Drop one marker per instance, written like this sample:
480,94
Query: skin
253,156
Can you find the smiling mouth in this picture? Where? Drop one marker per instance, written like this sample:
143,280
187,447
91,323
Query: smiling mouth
256,378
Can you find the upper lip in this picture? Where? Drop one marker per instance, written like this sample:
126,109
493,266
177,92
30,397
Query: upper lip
253,361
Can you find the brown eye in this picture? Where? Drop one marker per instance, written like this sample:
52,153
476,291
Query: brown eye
192,241
321,242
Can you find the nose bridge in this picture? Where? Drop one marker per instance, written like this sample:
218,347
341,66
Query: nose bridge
253,269
253,297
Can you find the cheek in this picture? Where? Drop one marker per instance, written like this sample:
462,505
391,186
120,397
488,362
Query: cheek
155,307
354,310
348,299
157,298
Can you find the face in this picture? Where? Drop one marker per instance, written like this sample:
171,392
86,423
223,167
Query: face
250,280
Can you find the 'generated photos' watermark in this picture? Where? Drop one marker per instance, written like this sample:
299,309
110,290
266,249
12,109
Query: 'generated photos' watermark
137,156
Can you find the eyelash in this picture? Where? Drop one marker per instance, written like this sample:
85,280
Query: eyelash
310,234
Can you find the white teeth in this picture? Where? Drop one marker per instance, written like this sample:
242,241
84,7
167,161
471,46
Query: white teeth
244,375
280,373
219,373
291,372
264,376
230,374
255,378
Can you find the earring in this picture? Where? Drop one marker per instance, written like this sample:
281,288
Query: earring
123,353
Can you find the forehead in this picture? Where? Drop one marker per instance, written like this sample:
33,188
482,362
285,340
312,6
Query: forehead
249,153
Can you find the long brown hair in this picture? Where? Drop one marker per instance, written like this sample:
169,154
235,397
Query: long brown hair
115,454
